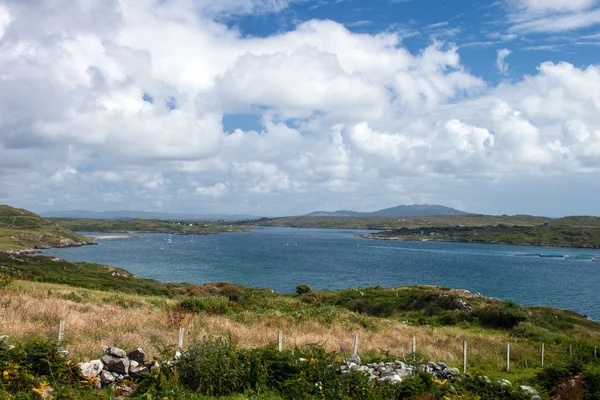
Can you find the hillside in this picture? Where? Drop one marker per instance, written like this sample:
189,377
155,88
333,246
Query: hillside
105,305
21,229
398,211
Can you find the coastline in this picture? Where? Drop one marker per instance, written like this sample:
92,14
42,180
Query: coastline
422,239
38,249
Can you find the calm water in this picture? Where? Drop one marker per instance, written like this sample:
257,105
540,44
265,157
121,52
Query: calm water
282,258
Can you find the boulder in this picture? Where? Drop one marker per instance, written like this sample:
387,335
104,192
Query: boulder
91,369
355,358
530,391
106,377
116,364
504,383
114,351
137,355
137,368
152,365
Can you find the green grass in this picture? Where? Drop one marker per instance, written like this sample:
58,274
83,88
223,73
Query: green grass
21,229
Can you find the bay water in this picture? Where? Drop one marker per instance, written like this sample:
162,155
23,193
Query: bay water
282,258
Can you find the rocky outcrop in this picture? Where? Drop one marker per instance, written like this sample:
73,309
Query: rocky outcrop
116,366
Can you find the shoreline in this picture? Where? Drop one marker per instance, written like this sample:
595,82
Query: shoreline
410,239
39,249
112,237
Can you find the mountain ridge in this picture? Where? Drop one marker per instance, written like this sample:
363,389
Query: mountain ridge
413,210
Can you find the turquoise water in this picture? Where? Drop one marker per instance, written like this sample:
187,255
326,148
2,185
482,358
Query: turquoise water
282,258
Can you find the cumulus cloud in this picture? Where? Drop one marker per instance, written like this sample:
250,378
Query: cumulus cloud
121,104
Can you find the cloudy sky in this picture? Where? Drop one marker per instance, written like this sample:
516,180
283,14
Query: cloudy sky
275,107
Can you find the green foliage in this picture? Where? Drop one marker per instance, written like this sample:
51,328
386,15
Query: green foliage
489,390
85,275
218,305
33,363
217,367
303,289
503,315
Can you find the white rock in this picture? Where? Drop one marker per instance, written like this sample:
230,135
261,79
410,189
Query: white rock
91,369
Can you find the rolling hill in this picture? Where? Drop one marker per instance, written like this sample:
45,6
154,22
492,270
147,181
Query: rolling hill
21,229
414,210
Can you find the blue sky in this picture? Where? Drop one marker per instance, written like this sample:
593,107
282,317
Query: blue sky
280,107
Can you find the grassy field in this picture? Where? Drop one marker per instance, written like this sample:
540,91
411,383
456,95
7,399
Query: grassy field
22,229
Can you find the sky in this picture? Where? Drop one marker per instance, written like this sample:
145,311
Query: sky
283,107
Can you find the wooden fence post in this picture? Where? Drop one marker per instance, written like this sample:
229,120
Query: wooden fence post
464,357
414,344
355,351
280,341
61,332
507,357
570,351
542,355
595,352
180,341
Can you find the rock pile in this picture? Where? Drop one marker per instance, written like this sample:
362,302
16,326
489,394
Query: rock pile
393,372
116,365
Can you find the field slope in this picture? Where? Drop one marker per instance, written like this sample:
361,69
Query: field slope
21,229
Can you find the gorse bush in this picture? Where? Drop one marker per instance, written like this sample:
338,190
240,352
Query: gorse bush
303,288
30,365
504,315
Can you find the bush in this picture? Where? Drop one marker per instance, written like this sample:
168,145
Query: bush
505,315
303,289
32,363
217,305
213,367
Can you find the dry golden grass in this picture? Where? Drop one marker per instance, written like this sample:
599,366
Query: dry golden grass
97,318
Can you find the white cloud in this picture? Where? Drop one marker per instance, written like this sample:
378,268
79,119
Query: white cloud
501,63
4,20
341,114
543,16
215,191
543,6
559,23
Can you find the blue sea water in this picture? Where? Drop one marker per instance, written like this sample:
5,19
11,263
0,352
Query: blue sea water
282,258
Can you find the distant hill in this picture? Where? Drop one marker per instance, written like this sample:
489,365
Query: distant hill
126,214
415,210
22,229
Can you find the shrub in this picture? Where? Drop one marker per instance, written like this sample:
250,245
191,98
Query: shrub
214,367
31,364
303,289
505,315
217,305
